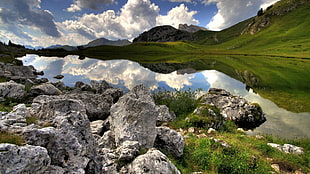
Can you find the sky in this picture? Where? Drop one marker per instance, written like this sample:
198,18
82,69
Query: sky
77,22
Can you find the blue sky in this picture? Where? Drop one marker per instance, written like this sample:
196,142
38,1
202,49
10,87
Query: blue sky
76,22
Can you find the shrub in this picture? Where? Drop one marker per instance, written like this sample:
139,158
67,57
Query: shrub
179,102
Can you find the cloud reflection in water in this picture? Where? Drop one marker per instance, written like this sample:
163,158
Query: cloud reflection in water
126,74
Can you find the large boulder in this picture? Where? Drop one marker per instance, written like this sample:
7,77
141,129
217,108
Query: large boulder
133,117
97,105
23,159
152,162
71,144
15,121
99,87
44,89
235,108
169,141
21,73
128,151
165,115
12,90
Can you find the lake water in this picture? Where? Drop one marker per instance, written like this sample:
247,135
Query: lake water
126,74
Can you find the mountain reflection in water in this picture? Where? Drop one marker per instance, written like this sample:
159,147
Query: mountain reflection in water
126,74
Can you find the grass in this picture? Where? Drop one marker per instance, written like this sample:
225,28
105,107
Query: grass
246,154
6,137
31,120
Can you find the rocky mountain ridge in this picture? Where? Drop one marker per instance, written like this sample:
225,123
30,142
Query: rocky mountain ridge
104,41
191,28
164,33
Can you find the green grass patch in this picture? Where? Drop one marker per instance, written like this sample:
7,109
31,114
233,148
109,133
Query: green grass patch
246,155
6,137
31,120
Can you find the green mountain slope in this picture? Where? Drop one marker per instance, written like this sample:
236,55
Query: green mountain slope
281,30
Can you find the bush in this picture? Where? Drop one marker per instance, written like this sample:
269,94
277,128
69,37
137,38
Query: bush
179,102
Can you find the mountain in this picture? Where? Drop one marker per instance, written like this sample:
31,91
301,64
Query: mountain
281,29
164,33
191,28
65,47
104,41
33,48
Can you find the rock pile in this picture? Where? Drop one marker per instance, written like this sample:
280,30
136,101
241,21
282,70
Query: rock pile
88,129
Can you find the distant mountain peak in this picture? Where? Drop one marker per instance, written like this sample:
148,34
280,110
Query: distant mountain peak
104,41
191,28
165,33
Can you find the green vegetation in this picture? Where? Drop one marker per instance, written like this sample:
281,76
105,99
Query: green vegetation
179,102
243,154
6,137
31,120
205,117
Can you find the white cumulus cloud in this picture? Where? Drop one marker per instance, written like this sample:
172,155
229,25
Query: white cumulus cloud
231,12
178,15
133,18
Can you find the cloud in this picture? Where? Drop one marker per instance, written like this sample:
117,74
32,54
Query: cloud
178,15
134,17
21,13
88,4
232,12
189,1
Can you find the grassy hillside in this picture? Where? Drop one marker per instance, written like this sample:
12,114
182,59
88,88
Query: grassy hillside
283,30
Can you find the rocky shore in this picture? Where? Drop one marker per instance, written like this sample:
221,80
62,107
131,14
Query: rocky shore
96,128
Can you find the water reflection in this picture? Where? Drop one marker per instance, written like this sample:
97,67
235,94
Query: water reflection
126,74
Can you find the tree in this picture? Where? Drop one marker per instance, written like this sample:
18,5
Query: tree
260,12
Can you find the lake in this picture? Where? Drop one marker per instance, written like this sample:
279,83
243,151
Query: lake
126,74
